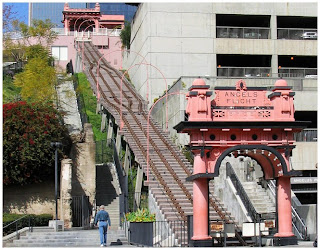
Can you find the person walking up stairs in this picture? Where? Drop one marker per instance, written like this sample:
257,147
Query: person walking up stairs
103,221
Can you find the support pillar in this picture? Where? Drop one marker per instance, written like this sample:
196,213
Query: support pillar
99,107
285,236
96,22
126,160
65,192
66,26
110,129
200,200
103,122
138,187
118,141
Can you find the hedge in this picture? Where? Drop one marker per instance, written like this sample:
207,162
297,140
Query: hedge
35,220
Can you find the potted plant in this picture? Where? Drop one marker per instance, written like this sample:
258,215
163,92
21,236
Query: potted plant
141,227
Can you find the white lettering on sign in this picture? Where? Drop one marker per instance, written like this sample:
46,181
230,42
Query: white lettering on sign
303,180
241,97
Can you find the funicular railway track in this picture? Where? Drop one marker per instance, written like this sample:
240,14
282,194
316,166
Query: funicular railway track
168,166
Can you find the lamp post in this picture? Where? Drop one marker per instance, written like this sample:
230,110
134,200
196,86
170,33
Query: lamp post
56,145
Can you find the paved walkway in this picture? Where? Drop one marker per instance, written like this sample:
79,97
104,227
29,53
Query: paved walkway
301,244
68,103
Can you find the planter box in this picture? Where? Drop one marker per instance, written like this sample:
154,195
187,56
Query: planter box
141,233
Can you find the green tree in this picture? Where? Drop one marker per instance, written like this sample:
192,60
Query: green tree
40,32
125,35
38,51
28,130
37,81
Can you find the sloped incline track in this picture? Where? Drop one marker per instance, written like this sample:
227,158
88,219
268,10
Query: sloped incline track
168,166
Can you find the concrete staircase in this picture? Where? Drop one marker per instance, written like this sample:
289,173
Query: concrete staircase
107,190
72,238
169,168
259,198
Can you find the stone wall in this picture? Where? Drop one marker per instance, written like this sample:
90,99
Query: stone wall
84,168
38,198
78,177
65,193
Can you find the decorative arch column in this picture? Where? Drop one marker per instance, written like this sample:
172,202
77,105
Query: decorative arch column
200,198
96,22
241,120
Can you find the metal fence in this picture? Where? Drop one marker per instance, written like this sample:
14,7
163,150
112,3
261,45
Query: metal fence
170,234
261,72
244,71
81,211
243,32
298,72
104,153
163,234
264,33
297,34
307,135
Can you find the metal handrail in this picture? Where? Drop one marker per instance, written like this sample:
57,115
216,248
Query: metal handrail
242,193
16,222
124,226
296,219
238,230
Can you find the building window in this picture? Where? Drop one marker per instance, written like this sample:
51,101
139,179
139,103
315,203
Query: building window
60,53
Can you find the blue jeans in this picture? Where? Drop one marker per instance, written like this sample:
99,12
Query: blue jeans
103,229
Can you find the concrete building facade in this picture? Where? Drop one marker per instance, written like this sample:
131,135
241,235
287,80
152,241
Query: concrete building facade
197,39
223,43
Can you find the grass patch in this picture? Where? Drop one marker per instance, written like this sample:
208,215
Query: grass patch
10,93
89,106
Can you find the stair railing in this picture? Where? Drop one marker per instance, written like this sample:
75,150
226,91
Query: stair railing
16,225
123,181
298,225
174,210
245,199
223,214
125,226
242,193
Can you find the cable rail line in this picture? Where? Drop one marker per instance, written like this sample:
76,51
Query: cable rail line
167,164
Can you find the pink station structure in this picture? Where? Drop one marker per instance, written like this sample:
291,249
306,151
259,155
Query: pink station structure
91,25
243,121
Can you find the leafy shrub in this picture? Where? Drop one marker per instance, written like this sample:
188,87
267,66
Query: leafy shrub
39,51
188,154
28,130
125,35
37,81
142,215
35,220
